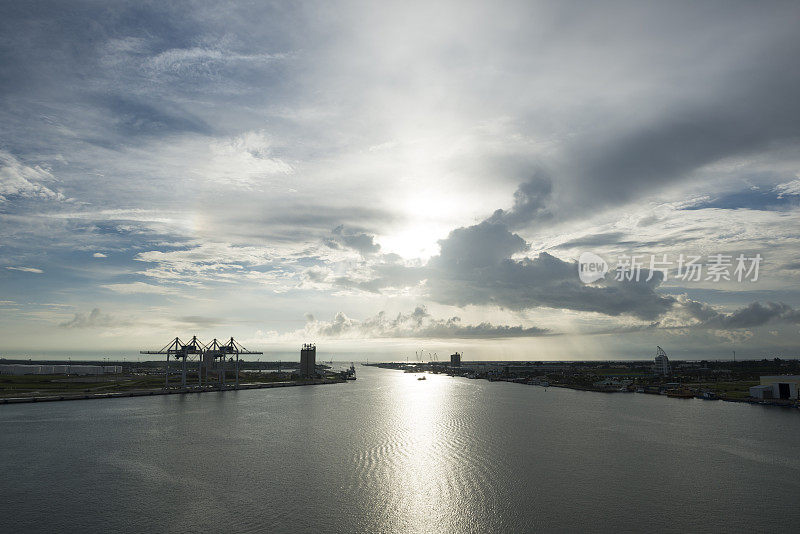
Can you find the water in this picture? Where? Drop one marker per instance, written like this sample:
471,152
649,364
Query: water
389,453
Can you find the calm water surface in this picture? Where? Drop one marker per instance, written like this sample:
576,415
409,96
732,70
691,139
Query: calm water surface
389,453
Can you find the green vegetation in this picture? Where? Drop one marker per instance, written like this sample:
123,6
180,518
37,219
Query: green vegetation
739,390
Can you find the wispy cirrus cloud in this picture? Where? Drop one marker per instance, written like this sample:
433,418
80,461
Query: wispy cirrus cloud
26,269
140,288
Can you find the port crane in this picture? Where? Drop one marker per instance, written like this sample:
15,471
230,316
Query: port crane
180,351
207,356
421,356
225,352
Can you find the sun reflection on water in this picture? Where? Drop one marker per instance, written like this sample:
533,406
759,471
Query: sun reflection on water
424,491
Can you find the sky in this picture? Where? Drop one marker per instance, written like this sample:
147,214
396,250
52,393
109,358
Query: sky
392,178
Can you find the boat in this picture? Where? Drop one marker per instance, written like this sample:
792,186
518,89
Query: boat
421,378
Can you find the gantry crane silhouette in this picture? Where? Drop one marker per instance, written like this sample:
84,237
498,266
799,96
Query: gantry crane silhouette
213,354
225,353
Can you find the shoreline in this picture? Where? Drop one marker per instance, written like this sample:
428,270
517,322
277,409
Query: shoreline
162,391
575,387
723,399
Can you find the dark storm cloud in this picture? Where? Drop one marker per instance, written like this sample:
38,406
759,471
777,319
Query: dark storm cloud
475,267
531,201
480,246
750,316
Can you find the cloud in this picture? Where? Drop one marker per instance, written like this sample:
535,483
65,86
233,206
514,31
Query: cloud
200,321
596,240
26,269
244,160
733,337
792,266
788,188
24,181
139,287
481,265
751,316
198,61
209,146
207,261
417,324
531,202
95,319
99,255
136,117
361,242
485,265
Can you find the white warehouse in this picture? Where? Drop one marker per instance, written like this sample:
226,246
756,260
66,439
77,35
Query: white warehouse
777,387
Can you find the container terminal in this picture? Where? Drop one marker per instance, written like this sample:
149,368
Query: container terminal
187,367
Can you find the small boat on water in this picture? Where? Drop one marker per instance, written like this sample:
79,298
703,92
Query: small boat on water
421,378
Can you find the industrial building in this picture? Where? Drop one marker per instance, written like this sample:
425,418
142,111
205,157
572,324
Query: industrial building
308,360
777,387
455,360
